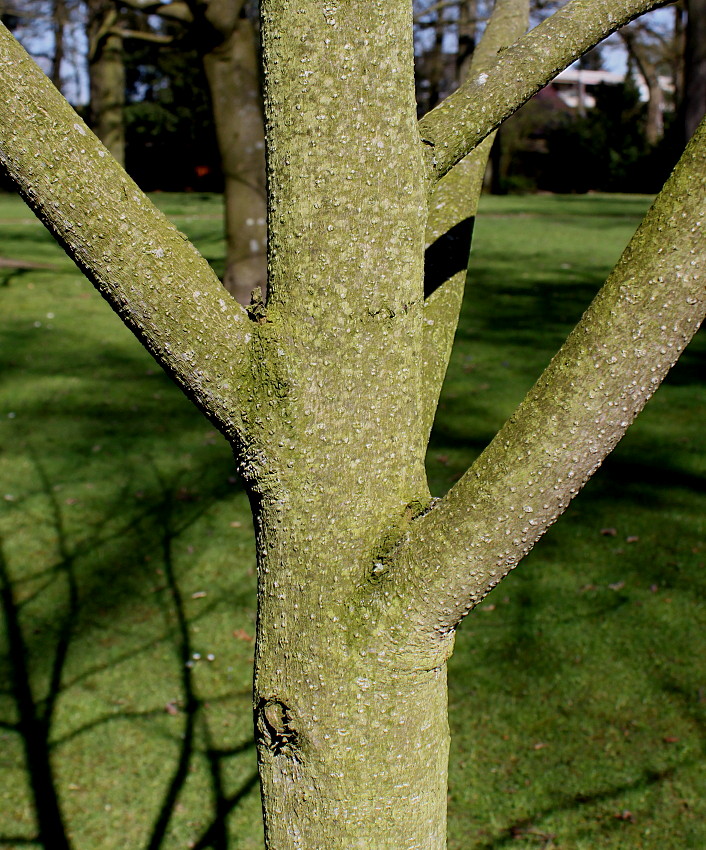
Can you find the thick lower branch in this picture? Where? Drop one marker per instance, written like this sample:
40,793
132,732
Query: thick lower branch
633,332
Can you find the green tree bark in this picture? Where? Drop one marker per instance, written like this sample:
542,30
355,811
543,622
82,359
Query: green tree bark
479,106
327,391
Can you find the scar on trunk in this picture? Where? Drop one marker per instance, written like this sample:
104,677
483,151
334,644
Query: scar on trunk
275,724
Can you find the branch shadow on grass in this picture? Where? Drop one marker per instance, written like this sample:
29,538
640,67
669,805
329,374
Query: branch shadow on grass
163,518
216,834
530,827
33,727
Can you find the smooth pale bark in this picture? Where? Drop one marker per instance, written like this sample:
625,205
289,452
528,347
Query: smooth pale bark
325,394
694,103
233,79
106,74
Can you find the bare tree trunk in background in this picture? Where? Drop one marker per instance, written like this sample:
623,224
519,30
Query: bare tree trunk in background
435,66
467,35
677,55
59,20
227,42
694,101
654,128
231,67
106,71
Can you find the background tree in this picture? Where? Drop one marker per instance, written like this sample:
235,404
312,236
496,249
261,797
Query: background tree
673,45
109,23
60,14
446,34
50,30
170,137
228,42
327,392
647,48
694,98
225,38
106,74
223,34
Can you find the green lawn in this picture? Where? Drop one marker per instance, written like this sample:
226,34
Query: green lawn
578,688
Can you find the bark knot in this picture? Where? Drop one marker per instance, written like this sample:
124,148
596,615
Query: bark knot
256,309
275,724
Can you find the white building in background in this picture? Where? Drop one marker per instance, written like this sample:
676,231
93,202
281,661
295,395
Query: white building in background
576,86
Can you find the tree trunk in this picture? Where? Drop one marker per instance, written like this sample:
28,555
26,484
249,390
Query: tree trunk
677,53
233,78
654,124
467,36
352,737
327,392
350,729
58,23
694,102
106,71
434,65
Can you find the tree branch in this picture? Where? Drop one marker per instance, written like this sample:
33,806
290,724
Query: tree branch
612,362
139,35
96,38
441,6
452,210
458,124
175,11
148,271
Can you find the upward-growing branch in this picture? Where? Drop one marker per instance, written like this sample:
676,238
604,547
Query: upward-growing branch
463,120
452,210
631,335
148,271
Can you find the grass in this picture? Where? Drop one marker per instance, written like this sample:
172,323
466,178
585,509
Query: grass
577,690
